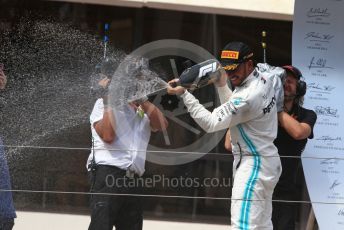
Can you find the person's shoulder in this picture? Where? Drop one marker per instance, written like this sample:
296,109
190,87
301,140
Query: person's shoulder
99,102
308,115
98,105
308,111
273,72
261,85
249,89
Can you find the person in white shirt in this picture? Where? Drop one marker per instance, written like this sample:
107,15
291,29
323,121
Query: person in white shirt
120,139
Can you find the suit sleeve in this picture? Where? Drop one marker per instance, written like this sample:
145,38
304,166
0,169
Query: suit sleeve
224,93
235,111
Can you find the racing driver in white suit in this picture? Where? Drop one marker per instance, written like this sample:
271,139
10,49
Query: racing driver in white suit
250,114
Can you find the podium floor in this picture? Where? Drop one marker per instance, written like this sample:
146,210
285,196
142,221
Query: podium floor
53,221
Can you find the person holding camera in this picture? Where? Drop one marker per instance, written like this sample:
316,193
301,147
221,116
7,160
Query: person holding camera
120,139
7,211
251,115
295,127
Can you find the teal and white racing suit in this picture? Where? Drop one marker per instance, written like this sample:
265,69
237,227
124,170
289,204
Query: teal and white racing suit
250,113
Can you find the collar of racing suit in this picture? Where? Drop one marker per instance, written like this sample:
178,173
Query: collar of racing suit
251,76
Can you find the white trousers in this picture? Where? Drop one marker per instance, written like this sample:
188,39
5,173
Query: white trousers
254,183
